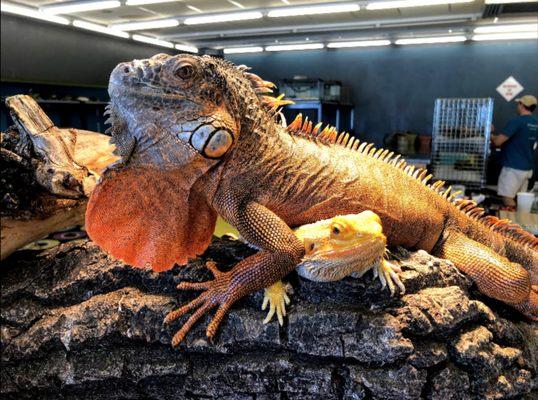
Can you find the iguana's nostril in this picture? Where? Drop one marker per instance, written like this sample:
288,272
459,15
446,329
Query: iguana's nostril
126,69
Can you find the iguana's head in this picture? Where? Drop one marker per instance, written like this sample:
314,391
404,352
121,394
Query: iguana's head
173,119
340,246
171,110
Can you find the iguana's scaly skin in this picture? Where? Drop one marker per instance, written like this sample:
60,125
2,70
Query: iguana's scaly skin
345,245
198,136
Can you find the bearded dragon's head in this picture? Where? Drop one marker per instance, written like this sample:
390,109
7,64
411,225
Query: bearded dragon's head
172,110
340,246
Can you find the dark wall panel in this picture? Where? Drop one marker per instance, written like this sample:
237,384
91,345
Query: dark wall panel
394,88
34,51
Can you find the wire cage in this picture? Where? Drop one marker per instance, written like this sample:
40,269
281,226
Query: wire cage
460,140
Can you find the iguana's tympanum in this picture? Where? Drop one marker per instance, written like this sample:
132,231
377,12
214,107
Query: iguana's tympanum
199,136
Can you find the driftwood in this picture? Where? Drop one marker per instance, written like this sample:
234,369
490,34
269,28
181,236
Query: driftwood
47,174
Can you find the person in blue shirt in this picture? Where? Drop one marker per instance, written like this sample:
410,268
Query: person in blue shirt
518,142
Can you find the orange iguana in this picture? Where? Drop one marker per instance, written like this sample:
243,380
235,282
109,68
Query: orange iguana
199,136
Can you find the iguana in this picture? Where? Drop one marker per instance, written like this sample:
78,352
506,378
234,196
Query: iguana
199,136
345,245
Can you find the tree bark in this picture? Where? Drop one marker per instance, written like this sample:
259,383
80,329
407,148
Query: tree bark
78,325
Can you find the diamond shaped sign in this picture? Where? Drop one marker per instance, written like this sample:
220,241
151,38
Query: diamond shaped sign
510,88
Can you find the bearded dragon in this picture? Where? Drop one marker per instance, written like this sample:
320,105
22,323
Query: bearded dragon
199,136
345,245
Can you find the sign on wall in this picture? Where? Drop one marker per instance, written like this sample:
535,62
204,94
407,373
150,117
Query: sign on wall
510,88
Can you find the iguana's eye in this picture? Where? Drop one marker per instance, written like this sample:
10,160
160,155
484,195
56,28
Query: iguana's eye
186,71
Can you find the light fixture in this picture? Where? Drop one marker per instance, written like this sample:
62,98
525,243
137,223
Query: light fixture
507,28
143,25
236,3
196,9
100,28
143,2
241,50
358,43
506,36
290,47
32,13
78,6
384,5
312,10
188,49
154,41
509,1
211,19
429,40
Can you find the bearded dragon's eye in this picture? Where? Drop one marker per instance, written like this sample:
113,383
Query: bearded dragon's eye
336,229
185,71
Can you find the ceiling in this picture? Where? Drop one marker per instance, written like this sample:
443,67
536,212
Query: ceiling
363,24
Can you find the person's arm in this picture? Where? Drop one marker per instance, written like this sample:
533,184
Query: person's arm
509,130
498,140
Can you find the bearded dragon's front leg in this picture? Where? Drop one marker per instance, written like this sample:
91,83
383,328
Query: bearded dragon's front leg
276,297
281,252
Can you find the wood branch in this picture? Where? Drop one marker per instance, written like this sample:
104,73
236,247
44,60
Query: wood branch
48,174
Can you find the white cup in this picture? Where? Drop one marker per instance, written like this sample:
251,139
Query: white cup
524,201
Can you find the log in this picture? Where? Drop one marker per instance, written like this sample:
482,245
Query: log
78,325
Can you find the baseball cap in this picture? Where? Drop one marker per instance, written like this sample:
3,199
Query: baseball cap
527,100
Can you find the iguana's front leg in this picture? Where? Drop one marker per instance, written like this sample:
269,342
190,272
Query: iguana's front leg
281,252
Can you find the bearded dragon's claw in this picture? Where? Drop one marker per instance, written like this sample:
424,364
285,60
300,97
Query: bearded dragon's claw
276,296
216,293
388,275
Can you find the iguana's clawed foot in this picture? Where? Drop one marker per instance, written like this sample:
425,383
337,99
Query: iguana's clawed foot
276,296
217,292
388,274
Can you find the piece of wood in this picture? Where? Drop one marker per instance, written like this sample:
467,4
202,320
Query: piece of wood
53,169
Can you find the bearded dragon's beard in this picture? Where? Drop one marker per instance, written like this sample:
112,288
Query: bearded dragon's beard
328,269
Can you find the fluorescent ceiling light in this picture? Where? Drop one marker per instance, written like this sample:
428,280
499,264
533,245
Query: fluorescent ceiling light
188,49
142,2
211,19
507,28
79,6
360,43
384,5
506,36
236,3
241,50
155,41
32,13
436,39
100,28
289,47
509,1
312,10
137,26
